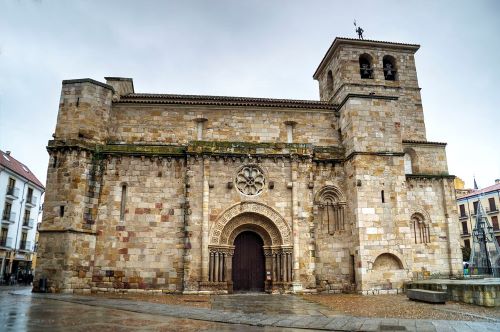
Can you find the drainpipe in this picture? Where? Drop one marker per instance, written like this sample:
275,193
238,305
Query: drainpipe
19,225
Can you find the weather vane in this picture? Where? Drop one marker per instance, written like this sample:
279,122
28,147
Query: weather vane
359,31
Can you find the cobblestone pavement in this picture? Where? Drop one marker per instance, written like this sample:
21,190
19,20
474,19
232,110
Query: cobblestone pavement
56,312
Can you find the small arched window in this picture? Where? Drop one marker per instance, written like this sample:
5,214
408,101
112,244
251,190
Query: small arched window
408,164
329,81
365,66
410,161
420,229
389,65
331,203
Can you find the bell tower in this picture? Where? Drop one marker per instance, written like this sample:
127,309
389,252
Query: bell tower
374,69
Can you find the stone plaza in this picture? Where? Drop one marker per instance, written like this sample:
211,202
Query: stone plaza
197,194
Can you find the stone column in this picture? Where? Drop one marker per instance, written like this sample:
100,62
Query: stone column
204,225
216,267
295,227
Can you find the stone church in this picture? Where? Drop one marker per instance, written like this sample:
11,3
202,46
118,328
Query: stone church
210,194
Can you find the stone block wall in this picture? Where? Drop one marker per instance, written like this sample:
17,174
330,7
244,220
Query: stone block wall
162,124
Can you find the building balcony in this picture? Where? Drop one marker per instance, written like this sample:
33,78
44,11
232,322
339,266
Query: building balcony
465,234
31,201
7,242
12,193
25,246
9,217
463,216
488,211
28,223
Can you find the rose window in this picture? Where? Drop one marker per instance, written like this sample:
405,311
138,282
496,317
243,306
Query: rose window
250,180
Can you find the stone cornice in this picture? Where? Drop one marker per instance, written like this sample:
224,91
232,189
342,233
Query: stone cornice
89,80
429,176
358,95
412,142
206,148
67,230
380,154
145,98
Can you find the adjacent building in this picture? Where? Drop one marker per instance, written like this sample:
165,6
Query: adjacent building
467,209
20,196
200,194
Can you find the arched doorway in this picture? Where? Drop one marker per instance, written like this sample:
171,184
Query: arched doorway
248,262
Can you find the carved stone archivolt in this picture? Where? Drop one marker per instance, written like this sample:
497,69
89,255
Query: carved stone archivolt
254,216
250,180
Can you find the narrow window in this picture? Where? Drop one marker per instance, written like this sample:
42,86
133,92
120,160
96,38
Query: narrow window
492,204
123,202
54,162
494,222
200,131
465,229
389,65
289,133
29,197
382,196
475,207
365,66
467,243
24,243
61,211
6,211
329,82
11,186
353,270
3,236
420,229
26,219
408,164
462,211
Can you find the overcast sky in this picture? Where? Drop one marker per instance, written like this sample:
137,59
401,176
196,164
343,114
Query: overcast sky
248,48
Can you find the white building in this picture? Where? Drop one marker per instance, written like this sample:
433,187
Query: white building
20,197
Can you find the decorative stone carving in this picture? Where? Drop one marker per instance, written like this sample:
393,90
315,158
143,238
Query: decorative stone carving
250,180
266,221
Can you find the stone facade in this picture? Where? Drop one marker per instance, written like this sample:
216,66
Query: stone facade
148,192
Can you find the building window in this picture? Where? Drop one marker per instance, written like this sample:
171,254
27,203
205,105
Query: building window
331,205
61,211
365,66
475,207
467,243
24,242
498,240
329,82
3,236
123,202
494,223
382,196
462,211
465,228
492,204
290,125
6,211
11,186
200,126
54,162
408,164
26,219
390,71
420,229
29,197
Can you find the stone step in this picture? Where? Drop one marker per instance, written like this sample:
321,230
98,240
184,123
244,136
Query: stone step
427,295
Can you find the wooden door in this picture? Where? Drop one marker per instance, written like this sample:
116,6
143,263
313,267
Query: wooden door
248,263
